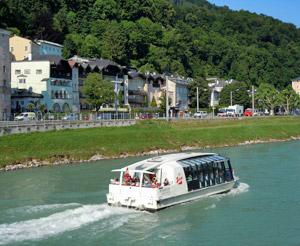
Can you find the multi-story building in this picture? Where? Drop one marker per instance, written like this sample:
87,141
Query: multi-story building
296,85
26,49
109,70
49,48
5,59
55,79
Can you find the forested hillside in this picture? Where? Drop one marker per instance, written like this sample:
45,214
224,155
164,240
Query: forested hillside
192,38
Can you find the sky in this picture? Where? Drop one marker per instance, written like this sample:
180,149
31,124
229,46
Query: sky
285,10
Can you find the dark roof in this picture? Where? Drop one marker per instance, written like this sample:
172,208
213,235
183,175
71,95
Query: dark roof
94,62
296,79
23,93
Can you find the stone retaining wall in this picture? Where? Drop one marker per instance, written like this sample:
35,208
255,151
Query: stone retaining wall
8,128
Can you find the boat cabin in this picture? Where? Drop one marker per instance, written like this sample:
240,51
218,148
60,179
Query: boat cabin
197,171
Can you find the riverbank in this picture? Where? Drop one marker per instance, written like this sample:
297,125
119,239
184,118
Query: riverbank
144,138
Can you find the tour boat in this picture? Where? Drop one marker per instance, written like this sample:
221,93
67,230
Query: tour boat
167,180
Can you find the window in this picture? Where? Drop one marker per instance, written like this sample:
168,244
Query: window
4,82
22,81
27,71
17,71
11,49
39,71
26,48
4,69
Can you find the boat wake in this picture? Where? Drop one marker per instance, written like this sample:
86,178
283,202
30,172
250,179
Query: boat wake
59,222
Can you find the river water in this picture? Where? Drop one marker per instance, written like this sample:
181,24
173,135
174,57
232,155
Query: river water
65,205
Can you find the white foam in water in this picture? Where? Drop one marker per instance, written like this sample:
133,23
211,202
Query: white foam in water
41,208
57,223
211,206
241,188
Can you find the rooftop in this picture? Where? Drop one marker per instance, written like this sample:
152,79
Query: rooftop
157,161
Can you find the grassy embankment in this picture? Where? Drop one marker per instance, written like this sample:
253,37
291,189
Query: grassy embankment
144,136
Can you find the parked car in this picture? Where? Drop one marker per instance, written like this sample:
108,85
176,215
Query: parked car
200,114
71,116
146,116
25,116
249,112
222,112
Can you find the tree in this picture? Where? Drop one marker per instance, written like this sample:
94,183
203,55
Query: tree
204,93
30,106
98,91
289,99
239,92
153,103
163,102
267,97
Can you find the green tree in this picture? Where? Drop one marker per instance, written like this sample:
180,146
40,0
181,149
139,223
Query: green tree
30,107
204,93
289,99
239,92
98,91
268,97
153,103
163,102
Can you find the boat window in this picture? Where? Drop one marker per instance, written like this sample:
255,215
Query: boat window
228,171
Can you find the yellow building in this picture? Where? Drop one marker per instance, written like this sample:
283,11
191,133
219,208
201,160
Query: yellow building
296,85
23,49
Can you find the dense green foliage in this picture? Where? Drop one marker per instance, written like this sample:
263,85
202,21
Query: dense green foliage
239,93
144,136
191,37
98,91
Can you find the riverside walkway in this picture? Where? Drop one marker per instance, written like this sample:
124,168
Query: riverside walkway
16,127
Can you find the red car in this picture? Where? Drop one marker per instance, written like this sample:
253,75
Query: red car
248,112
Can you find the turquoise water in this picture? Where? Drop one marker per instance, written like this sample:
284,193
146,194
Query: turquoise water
65,205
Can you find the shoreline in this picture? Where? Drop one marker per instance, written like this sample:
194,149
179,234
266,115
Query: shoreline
97,157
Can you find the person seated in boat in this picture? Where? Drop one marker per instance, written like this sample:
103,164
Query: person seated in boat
154,183
127,177
166,182
146,181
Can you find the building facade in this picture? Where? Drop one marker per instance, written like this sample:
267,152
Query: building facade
26,49
47,48
296,85
5,60
55,80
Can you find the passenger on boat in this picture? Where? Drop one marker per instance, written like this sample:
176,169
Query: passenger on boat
127,177
166,182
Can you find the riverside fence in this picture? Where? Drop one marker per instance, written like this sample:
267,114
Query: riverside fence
16,127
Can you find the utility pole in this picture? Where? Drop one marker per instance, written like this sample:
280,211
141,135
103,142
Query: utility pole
197,99
167,100
253,100
230,98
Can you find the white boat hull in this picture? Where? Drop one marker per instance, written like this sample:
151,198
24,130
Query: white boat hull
156,199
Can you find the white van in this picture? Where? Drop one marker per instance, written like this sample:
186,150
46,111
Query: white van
25,116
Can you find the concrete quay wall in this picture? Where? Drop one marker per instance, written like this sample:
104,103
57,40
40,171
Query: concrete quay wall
12,127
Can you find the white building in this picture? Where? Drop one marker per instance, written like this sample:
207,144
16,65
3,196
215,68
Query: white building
5,59
55,79
216,85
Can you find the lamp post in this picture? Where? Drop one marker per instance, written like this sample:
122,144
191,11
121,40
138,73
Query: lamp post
197,99
167,100
252,100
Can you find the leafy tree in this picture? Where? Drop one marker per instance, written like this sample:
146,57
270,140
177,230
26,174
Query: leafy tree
239,92
204,93
98,91
163,102
268,97
30,107
153,103
289,99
